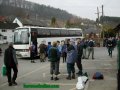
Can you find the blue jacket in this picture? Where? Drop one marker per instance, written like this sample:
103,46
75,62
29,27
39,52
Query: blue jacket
53,54
48,47
64,48
71,54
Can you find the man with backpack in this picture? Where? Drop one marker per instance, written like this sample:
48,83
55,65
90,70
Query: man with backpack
53,55
110,46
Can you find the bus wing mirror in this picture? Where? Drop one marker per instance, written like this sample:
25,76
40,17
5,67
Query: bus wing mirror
28,35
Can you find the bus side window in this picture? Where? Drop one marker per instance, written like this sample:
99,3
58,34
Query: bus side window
64,33
55,33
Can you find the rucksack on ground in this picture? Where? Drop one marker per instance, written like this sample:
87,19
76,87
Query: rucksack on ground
98,76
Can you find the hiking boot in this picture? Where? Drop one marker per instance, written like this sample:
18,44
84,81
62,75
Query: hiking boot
69,77
10,84
33,61
56,78
51,78
73,76
14,83
79,73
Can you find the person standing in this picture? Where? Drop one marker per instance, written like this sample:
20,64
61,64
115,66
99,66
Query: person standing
32,53
64,51
91,45
11,62
48,47
110,46
59,48
71,58
79,56
84,41
42,51
53,56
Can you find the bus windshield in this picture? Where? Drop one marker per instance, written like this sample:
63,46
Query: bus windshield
21,36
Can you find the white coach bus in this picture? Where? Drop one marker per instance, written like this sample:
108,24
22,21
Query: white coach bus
23,36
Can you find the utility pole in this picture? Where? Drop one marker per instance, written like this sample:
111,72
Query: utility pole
102,22
98,23
102,11
98,16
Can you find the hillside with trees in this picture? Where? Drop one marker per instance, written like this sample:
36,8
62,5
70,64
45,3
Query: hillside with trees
11,9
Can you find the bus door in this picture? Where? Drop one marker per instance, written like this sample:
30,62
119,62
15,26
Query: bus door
34,40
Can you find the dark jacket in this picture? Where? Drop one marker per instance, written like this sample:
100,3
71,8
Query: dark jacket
10,57
109,43
53,54
42,48
79,50
91,43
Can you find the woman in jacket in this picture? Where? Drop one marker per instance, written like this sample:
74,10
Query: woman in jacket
71,58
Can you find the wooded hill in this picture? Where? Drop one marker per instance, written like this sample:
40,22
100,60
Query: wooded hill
33,11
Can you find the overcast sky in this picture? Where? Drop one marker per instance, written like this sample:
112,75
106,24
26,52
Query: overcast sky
85,8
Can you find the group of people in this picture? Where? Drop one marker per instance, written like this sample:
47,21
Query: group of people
88,45
72,52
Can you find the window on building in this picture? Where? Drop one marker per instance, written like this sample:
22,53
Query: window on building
5,37
3,30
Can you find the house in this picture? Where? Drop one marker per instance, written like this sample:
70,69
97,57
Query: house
92,31
7,31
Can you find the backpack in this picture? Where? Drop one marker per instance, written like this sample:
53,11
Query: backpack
91,43
98,76
53,54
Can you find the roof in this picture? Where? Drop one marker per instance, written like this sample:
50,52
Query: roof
117,28
89,30
51,28
33,22
8,25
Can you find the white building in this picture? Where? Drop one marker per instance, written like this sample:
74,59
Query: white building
6,32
